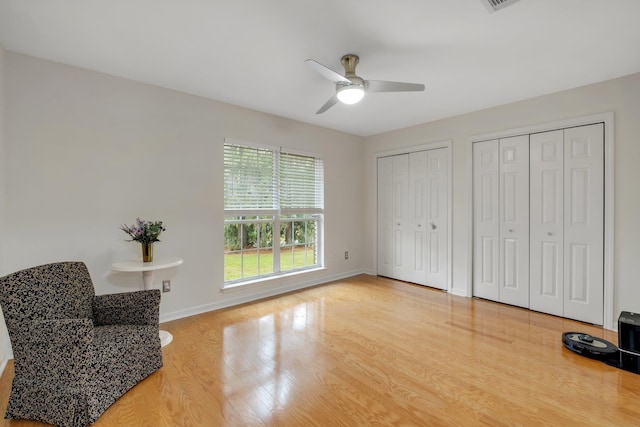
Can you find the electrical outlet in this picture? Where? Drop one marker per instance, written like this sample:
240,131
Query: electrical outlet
346,254
166,286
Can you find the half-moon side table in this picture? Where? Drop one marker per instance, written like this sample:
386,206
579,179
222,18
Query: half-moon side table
147,269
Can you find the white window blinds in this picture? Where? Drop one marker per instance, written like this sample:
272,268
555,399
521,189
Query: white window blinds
301,182
261,178
249,178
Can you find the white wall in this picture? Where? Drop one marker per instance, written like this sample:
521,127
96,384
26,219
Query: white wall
88,152
622,96
2,159
4,339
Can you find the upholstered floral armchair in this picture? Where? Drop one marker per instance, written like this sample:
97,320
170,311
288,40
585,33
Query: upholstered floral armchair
75,353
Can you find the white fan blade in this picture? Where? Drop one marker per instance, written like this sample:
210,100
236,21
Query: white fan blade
330,103
383,86
327,73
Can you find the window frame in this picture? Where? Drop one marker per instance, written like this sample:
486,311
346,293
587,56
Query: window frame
279,214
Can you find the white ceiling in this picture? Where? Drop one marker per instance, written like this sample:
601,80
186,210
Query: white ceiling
251,52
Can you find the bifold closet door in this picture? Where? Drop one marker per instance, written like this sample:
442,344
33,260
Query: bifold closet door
547,222
584,223
486,220
413,217
385,216
401,222
437,217
514,220
428,224
501,220
396,223
418,205
567,226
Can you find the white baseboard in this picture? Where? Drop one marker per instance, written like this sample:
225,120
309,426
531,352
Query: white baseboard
266,293
458,292
3,363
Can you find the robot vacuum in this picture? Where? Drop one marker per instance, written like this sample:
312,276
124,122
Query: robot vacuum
592,347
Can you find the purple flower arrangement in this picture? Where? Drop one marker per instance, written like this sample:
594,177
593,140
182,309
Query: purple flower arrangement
144,231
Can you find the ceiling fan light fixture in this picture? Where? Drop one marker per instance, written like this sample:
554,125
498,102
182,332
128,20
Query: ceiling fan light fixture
350,94
350,88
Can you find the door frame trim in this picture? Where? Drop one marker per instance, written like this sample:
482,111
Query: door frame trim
448,144
609,319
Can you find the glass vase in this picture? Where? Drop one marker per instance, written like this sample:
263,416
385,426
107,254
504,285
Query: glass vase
147,252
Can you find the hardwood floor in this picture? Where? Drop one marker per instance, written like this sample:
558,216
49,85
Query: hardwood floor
373,351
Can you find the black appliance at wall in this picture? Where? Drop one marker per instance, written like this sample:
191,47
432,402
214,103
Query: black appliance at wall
629,341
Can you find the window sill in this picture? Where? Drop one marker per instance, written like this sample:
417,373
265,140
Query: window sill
233,287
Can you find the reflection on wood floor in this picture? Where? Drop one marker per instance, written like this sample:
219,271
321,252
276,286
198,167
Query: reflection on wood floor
373,351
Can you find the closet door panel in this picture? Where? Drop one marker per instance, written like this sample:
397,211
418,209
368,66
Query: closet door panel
436,222
584,223
385,216
418,205
514,220
546,222
486,220
402,228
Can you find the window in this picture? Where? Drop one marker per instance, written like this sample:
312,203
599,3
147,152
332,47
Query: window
273,203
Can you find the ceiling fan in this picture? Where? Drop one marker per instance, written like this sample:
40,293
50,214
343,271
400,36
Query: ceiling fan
350,88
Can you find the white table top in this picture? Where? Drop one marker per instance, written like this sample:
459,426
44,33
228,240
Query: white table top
158,263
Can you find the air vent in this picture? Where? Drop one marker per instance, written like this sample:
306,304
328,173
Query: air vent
495,5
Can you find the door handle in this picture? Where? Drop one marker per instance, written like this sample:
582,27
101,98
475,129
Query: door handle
550,233
433,226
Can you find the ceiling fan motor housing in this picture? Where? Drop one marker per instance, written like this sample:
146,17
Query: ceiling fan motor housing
349,62
350,92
